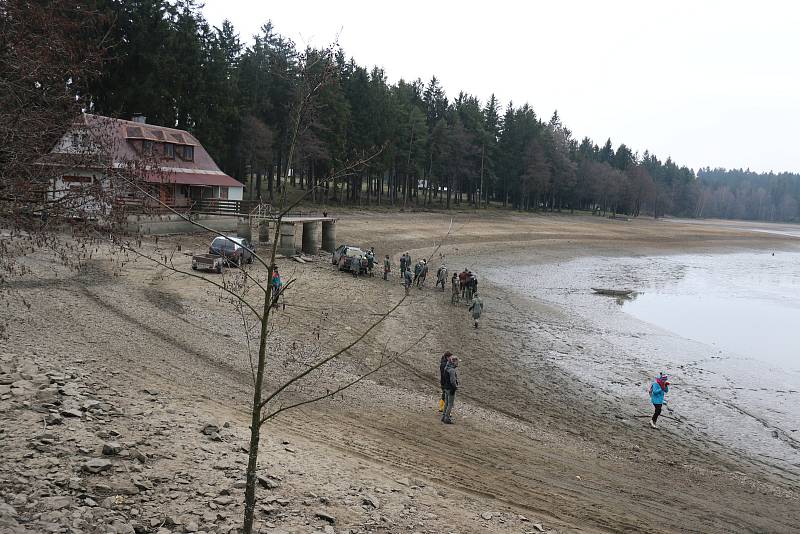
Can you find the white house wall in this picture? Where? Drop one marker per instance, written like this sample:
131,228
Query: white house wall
235,193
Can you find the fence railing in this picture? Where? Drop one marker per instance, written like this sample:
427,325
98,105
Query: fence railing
252,209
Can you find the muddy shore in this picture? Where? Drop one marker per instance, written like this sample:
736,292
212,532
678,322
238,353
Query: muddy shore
534,446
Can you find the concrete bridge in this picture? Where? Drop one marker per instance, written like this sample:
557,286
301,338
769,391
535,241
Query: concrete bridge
310,224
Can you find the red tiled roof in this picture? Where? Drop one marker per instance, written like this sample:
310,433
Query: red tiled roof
119,134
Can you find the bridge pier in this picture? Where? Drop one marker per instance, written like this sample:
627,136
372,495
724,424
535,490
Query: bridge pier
263,232
310,244
287,239
243,228
329,236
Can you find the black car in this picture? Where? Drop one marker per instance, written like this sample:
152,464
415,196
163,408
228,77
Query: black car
235,250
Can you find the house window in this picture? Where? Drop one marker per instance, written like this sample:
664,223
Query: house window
169,150
223,193
75,182
188,153
147,147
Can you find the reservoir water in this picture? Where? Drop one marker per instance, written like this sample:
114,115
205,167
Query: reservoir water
744,304
725,326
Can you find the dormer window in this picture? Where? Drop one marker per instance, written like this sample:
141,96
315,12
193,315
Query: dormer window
147,147
188,153
169,150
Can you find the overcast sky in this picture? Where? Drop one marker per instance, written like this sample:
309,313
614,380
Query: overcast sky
707,82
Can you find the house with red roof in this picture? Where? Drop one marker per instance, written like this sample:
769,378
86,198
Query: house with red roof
148,162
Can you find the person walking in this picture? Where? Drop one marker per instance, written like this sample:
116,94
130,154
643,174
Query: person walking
423,274
462,281
355,265
468,285
476,308
371,261
277,284
658,388
456,296
441,276
408,280
417,271
402,264
451,373
443,378
387,267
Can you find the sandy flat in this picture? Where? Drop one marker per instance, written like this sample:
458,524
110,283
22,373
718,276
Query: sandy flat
530,438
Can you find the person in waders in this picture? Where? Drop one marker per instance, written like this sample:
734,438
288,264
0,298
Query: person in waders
441,276
443,378
658,388
423,274
451,374
387,267
476,308
408,280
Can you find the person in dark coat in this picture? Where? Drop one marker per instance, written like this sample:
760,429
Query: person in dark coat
451,373
442,378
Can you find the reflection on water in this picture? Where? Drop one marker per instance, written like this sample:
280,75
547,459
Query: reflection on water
747,304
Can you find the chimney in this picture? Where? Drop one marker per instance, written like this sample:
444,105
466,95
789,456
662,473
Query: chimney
137,117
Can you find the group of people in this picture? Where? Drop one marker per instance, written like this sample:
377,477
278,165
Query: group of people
464,285
366,263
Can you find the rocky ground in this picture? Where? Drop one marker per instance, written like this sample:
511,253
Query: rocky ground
124,393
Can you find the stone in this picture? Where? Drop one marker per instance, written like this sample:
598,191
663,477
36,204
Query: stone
72,412
321,514
267,482
123,487
6,510
89,405
371,500
210,429
223,500
522,518
22,384
240,484
190,526
53,419
539,527
96,465
143,484
329,530
487,516
57,503
112,448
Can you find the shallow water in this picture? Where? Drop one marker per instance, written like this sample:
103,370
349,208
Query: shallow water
746,304
725,326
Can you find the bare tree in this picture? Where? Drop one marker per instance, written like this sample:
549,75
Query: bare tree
250,292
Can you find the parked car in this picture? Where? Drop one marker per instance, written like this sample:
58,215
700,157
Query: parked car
235,250
209,262
348,258
340,250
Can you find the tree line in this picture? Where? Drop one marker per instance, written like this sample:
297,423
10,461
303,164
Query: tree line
170,64
744,194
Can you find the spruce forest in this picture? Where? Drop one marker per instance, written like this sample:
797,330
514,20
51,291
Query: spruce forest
435,149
